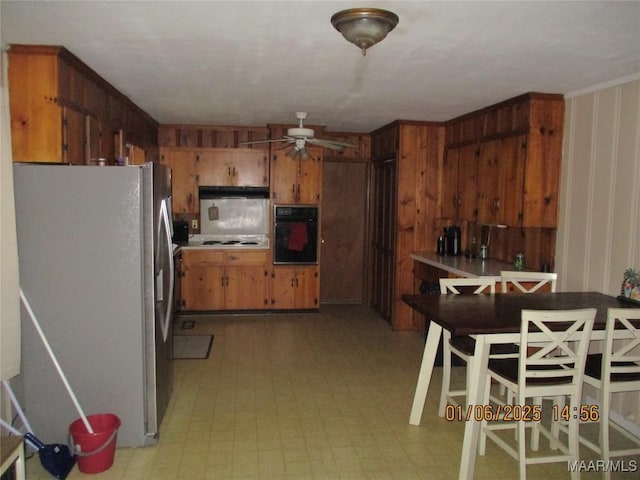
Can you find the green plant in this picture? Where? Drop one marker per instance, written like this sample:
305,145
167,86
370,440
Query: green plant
630,279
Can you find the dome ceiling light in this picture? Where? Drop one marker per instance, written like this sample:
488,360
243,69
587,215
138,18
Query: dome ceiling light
364,27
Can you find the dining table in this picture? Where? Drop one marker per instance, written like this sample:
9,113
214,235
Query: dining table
489,319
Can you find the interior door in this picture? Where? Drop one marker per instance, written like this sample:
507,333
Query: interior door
342,256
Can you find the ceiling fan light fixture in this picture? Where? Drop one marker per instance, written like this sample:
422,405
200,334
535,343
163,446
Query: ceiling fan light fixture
364,27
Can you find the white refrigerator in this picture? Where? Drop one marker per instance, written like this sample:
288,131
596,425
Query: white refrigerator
96,264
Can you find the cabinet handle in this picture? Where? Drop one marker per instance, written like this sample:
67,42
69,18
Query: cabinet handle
293,188
292,284
222,281
296,283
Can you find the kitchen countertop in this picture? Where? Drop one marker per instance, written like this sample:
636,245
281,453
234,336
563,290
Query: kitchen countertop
463,266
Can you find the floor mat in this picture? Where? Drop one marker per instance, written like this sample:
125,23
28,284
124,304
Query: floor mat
192,346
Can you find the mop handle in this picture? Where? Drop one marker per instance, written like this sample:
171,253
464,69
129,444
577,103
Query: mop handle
55,362
16,405
32,441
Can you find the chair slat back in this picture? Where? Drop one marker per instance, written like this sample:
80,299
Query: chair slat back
561,353
518,278
625,356
481,284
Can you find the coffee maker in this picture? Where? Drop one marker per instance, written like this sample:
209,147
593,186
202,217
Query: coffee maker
452,241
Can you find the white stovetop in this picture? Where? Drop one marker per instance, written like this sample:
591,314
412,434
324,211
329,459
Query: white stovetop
228,241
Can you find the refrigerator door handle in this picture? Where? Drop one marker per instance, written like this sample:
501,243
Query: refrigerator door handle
164,214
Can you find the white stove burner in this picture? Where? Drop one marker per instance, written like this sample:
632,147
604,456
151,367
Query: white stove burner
229,241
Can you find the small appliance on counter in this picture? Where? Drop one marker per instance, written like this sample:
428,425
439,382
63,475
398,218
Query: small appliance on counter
452,241
180,232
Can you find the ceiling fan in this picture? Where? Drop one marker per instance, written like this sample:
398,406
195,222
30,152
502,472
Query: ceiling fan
300,136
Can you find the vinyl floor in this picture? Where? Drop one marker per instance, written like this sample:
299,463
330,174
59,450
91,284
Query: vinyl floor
322,395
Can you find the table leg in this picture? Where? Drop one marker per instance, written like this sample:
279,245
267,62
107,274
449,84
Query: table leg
426,369
477,367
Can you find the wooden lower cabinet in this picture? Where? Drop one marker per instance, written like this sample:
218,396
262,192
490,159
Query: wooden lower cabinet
295,288
224,280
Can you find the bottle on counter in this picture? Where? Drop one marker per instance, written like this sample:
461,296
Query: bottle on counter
519,262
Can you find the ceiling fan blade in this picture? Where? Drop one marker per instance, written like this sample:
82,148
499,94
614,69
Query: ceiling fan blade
263,141
325,143
338,142
282,147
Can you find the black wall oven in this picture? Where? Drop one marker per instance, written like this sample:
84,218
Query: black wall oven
295,234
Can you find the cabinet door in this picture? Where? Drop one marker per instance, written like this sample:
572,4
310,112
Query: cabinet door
296,181
214,167
310,178
512,157
250,168
468,183
306,287
384,236
242,167
74,137
245,288
283,288
450,200
501,181
184,186
284,178
203,287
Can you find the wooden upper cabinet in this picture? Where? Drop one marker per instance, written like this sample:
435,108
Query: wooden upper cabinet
459,183
36,118
501,181
52,93
468,162
520,150
232,167
296,181
184,183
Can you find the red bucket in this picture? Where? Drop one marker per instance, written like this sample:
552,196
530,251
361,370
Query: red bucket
95,451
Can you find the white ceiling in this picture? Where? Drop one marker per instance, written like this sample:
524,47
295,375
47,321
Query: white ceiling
254,63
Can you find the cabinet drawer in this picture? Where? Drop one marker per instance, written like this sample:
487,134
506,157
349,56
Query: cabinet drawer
225,257
202,256
258,257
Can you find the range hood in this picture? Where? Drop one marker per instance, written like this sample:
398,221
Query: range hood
207,193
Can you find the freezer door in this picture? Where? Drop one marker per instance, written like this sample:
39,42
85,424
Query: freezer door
159,332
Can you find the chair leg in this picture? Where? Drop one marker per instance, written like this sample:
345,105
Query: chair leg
558,402
605,449
574,439
535,428
446,372
482,441
522,450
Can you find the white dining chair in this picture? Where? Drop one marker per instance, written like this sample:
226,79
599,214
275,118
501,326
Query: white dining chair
462,347
542,372
527,282
616,369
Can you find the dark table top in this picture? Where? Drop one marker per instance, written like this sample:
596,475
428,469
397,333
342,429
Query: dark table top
501,312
